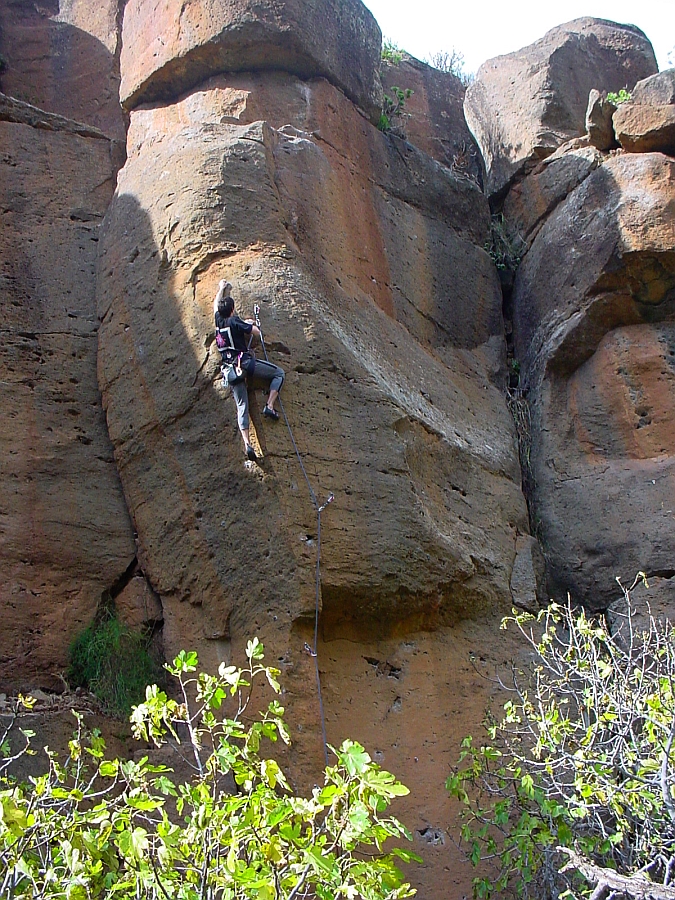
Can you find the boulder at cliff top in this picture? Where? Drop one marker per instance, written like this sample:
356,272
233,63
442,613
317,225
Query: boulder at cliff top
647,122
167,49
524,105
645,129
378,300
595,334
64,58
658,90
65,535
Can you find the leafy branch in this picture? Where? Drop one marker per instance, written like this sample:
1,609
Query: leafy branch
93,827
579,766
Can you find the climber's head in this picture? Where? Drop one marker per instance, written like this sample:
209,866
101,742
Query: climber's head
226,303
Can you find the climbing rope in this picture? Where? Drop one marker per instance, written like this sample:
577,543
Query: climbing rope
313,651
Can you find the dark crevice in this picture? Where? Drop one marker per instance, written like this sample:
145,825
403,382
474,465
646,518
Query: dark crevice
118,586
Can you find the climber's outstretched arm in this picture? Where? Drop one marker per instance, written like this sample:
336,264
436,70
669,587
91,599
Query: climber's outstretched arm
222,285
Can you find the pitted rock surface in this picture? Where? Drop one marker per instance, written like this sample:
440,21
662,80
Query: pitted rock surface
65,535
366,259
594,331
170,47
645,128
63,57
524,105
647,122
658,90
433,115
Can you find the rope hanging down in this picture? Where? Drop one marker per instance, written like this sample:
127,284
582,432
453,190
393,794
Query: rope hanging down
313,651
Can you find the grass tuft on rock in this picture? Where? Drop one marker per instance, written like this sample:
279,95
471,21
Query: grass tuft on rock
114,663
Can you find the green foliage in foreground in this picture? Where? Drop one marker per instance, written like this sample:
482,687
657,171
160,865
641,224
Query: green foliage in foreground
97,828
579,766
113,662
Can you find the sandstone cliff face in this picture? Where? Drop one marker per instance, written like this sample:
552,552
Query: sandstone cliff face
249,157
170,47
594,331
64,58
65,535
433,118
365,257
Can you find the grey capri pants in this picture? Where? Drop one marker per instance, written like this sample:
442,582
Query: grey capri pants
264,375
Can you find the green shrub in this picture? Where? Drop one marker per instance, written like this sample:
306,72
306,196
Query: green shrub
505,245
391,52
621,97
393,107
113,662
575,785
123,829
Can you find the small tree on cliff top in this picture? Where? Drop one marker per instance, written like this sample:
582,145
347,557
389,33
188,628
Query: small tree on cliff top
574,792
96,828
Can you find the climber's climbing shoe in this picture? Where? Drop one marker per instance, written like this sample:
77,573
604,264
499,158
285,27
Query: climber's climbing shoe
270,414
250,453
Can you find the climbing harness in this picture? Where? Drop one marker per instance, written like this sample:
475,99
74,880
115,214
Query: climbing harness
236,364
313,651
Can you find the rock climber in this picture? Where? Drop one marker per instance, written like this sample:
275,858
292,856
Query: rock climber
233,337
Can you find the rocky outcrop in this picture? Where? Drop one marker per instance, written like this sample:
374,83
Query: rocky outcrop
524,105
433,114
645,129
531,200
167,51
599,121
366,257
63,57
646,123
13,110
65,535
594,306
658,90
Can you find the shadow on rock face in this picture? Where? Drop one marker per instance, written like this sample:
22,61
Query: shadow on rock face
417,447
595,312
65,62
211,532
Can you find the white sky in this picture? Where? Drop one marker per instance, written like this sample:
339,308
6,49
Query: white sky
481,29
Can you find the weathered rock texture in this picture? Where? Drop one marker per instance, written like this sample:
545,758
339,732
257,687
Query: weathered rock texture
655,601
63,57
65,536
645,129
366,257
594,317
170,47
524,105
531,200
599,121
647,122
433,115
658,90
365,253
